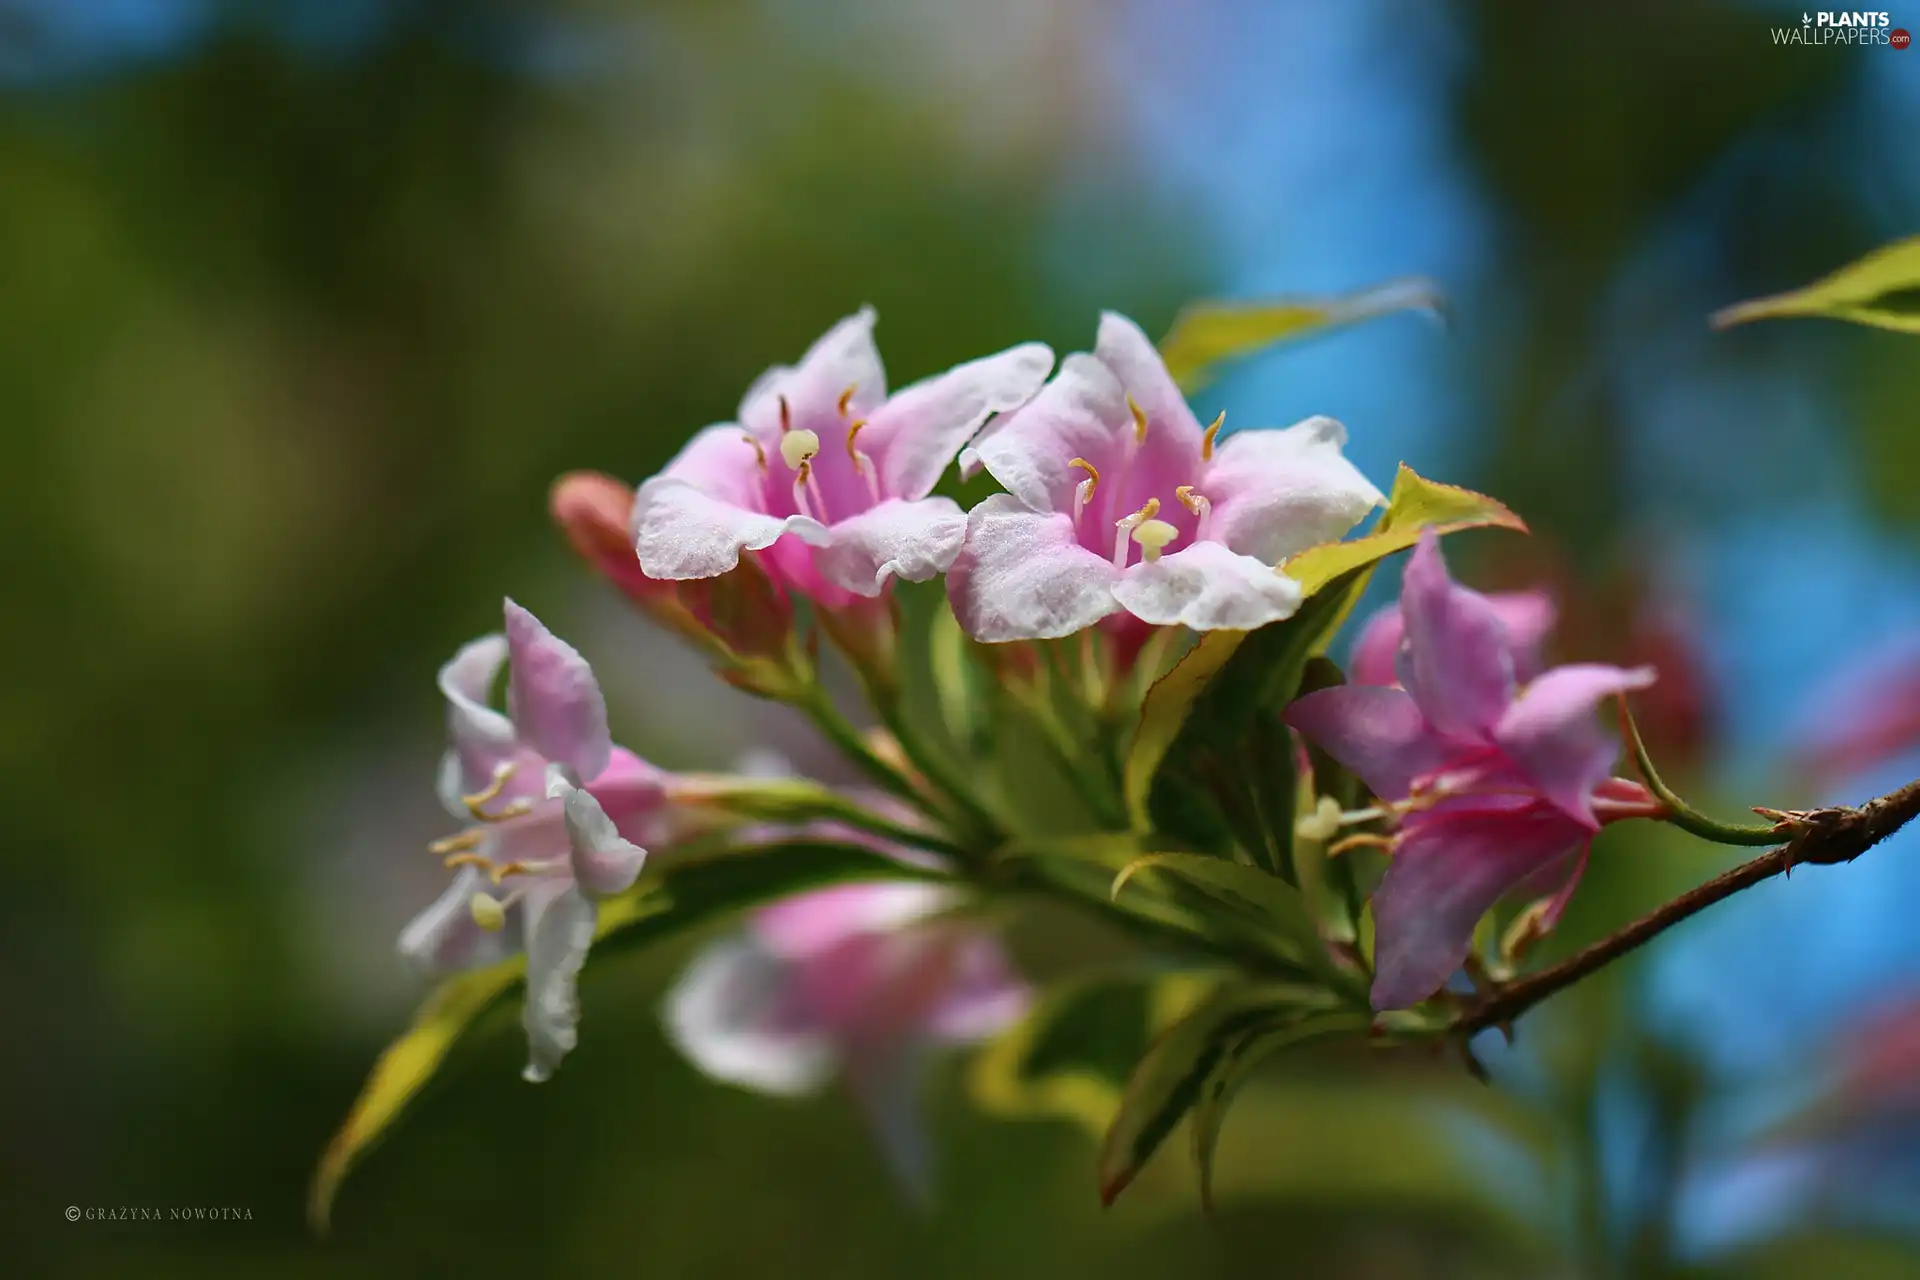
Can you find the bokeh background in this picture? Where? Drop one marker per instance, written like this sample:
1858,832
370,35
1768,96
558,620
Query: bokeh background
303,305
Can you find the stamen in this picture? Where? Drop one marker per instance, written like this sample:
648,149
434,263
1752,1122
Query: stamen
539,866
846,397
1124,527
1211,434
1361,840
474,802
468,839
1139,420
488,912
862,464
797,448
1198,504
467,860
759,450
786,415
1083,492
1153,536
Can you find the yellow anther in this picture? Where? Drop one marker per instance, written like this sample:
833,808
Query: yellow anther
1093,473
797,448
1211,434
1153,536
1194,502
488,912
457,844
759,450
1323,824
853,433
517,868
468,860
1363,840
786,415
846,398
1139,420
475,803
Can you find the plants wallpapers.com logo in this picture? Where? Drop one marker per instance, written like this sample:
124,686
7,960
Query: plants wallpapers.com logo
1844,27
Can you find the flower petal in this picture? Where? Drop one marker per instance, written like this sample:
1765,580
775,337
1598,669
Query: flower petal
1550,732
984,995
886,1085
559,930
1123,347
721,461
481,738
1448,870
635,795
913,436
844,356
444,937
1527,615
1082,413
1207,587
681,532
1376,732
1277,492
1022,575
603,862
913,541
809,925
728,1014
555,701
1456,662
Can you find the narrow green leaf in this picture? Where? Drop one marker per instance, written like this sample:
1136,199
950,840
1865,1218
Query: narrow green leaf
1881,289
678,897
1268,902
1206,335
1169,1080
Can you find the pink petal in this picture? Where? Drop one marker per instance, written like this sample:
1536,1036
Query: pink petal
730,1014
913,437
1023,576
634,794
1376,732
602,860
721,462
810,924
913,541
1551,734
681,532
444,938
844,356
1082,413
1447,872
1527,615
555,701
1207,587
984,995
1456,662
1277,492
481,738
1124,348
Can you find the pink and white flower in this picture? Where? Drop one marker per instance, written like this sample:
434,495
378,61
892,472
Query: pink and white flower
1495,788
558,814
1119,502
860,980
826,475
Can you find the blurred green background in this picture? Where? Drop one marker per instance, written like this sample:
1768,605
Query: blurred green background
303,306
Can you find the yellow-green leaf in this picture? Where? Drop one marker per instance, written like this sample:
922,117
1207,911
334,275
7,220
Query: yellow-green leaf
1207,334
1865,292
683,894
1263,900
1415,506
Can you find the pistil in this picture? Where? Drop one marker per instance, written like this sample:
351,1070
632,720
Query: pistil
1083,492
1124,527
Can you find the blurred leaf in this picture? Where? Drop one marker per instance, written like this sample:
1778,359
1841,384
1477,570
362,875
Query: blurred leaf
682,895
1207,334
1415,505
1070,1057
1272,905
1881,289
1169,1081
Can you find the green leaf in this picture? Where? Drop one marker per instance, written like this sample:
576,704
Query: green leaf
682,895
1207,334
1170,1080
1070,1057
1881,289
1198,717
1269,903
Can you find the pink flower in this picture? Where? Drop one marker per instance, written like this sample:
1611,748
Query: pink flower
557,809
1496,788
821,452
857,979
1118,502
1526,615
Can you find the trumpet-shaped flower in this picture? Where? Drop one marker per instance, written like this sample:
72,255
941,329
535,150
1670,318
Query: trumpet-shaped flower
858,980
1118,501
1494,787
556,809
821,452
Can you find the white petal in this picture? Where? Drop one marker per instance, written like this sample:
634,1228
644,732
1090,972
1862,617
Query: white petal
558,709
604,863
482,739
1081,413
1208,588
726,1015
444,938
681,532
844,356
913,541
915,434
1022,576
1277,492
559,930
1125,349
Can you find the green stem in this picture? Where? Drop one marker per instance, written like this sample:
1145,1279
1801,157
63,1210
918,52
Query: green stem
819,708
1679,812
981,828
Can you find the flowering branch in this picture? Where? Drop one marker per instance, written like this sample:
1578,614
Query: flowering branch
1825,837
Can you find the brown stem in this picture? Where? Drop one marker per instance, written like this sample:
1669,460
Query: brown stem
1826,836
